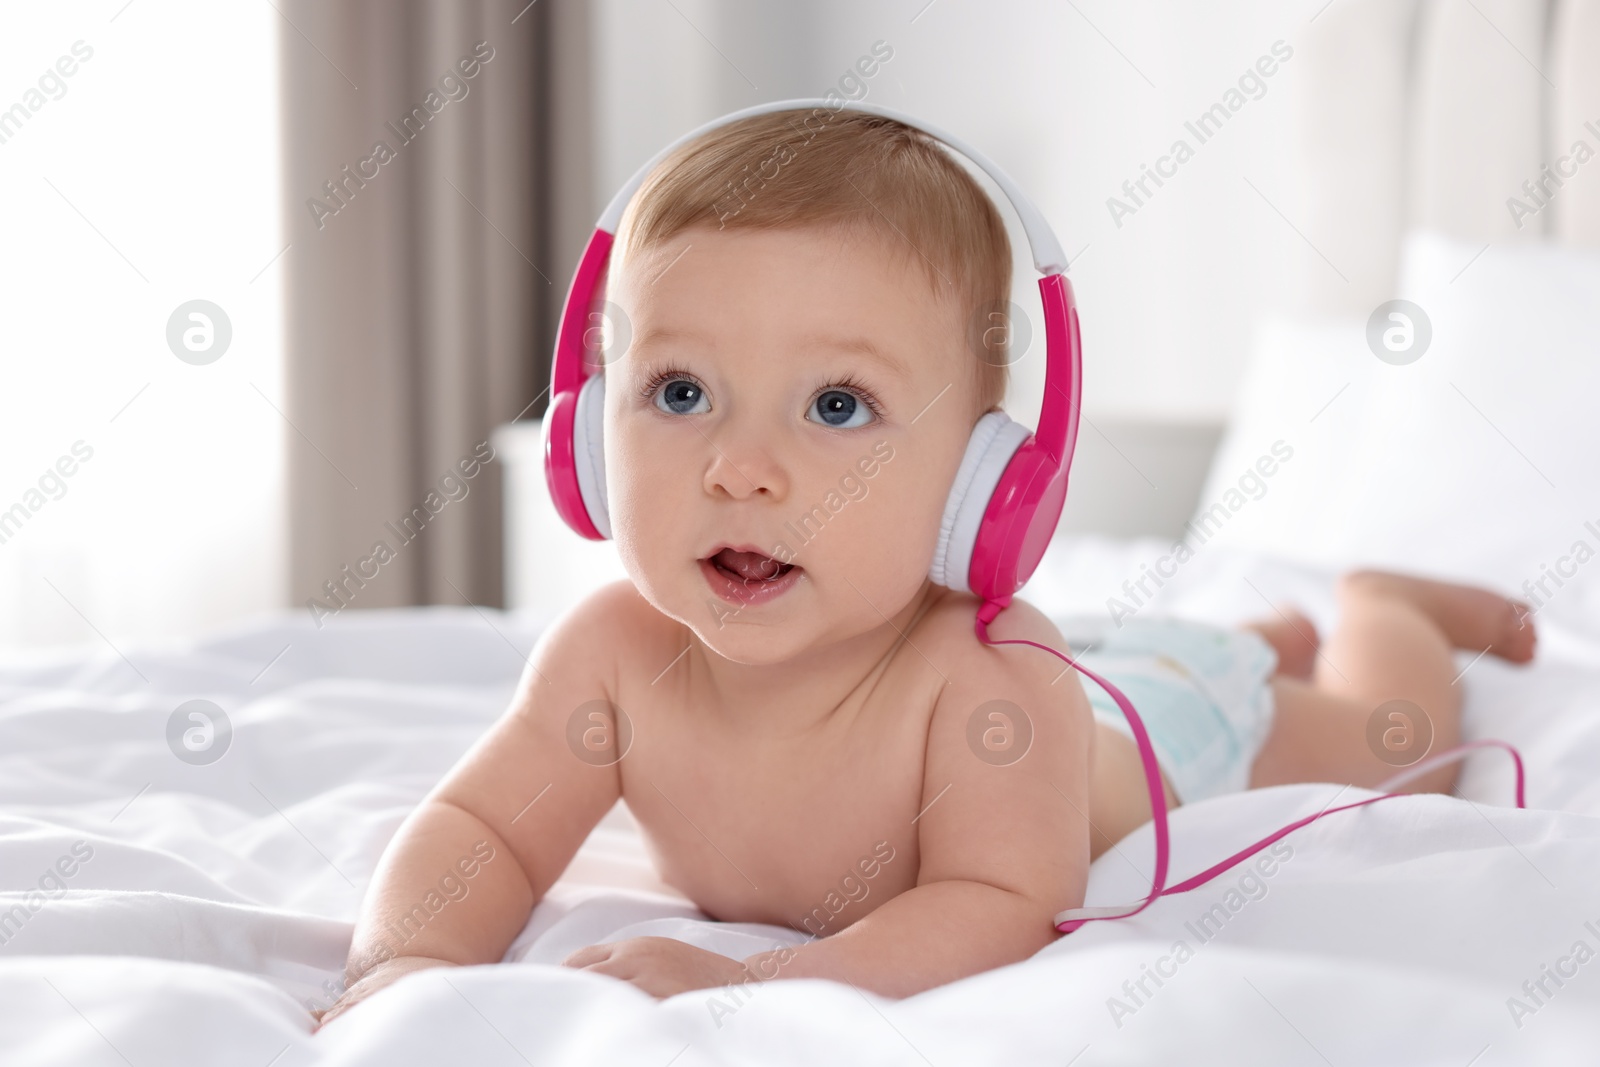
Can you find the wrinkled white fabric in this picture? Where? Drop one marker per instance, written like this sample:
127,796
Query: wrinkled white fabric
219,899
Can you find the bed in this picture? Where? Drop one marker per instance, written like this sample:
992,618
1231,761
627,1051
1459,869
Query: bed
178,880
215,906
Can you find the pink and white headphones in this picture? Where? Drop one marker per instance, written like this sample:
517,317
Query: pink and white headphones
1011,484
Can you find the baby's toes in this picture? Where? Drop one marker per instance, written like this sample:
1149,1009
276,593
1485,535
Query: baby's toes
1517,636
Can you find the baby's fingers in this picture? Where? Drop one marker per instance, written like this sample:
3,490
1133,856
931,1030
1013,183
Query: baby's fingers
588,957
323,1018
378,978
352,996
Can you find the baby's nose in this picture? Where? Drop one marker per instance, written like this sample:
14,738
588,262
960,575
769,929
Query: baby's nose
745,464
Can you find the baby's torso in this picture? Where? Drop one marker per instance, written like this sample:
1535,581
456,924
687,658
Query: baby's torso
808,828
755,822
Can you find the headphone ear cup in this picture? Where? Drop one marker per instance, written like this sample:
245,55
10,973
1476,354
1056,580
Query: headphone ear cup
588,451
995,439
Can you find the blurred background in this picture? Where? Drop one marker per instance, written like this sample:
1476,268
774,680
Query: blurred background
380,206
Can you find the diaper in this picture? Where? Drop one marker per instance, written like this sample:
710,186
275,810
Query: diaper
1202,692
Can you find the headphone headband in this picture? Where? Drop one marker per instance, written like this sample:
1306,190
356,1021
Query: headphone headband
1003,511
1058,416
1047,255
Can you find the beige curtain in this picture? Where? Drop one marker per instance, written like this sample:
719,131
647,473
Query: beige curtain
421,287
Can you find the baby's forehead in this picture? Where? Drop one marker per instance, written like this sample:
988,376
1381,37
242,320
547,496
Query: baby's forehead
851,264
798,298
852,239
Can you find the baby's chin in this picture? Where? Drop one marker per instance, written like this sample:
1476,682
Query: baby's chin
754,644
763,632
794,626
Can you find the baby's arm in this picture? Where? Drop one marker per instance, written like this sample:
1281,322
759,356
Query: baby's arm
457,882
1003,849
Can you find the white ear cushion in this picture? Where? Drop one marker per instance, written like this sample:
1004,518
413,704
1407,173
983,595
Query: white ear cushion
995,439
588,451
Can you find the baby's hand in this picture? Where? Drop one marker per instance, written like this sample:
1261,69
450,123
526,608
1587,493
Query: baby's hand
660,966
384,974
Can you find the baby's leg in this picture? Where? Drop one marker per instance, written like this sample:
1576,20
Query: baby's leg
1294,637
1393,642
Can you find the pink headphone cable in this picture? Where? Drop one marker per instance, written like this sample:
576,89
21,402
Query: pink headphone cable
1077,917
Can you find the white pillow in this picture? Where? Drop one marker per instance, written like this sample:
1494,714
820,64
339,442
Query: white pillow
1477,461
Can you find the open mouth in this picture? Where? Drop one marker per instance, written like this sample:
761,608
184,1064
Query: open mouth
746,577
749,566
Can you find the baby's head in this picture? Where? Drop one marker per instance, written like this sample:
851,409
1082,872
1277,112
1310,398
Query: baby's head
814,304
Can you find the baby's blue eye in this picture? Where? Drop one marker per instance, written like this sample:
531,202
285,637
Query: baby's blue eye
838,408
680,397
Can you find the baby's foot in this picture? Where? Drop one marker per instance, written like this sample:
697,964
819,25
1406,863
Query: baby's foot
1471,618
1294,638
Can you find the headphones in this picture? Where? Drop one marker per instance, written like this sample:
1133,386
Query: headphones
1009,489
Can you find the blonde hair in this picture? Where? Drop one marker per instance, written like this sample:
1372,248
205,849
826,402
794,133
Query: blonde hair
862,173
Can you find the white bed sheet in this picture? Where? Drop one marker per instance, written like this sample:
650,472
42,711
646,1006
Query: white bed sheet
219,899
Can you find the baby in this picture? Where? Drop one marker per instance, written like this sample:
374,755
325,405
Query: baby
782,696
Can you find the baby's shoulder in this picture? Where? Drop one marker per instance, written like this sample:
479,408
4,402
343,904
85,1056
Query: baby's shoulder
620,607
615,604
949,626
997,695
975,672
616,619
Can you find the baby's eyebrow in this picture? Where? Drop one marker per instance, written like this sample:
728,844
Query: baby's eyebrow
858,345
655,335
862,346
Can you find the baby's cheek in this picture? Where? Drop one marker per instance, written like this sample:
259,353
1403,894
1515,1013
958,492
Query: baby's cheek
892,555
648,536
903,517
648,503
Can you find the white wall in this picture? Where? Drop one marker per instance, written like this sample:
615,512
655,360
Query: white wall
1058,95
166,141
150,182
1070,99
